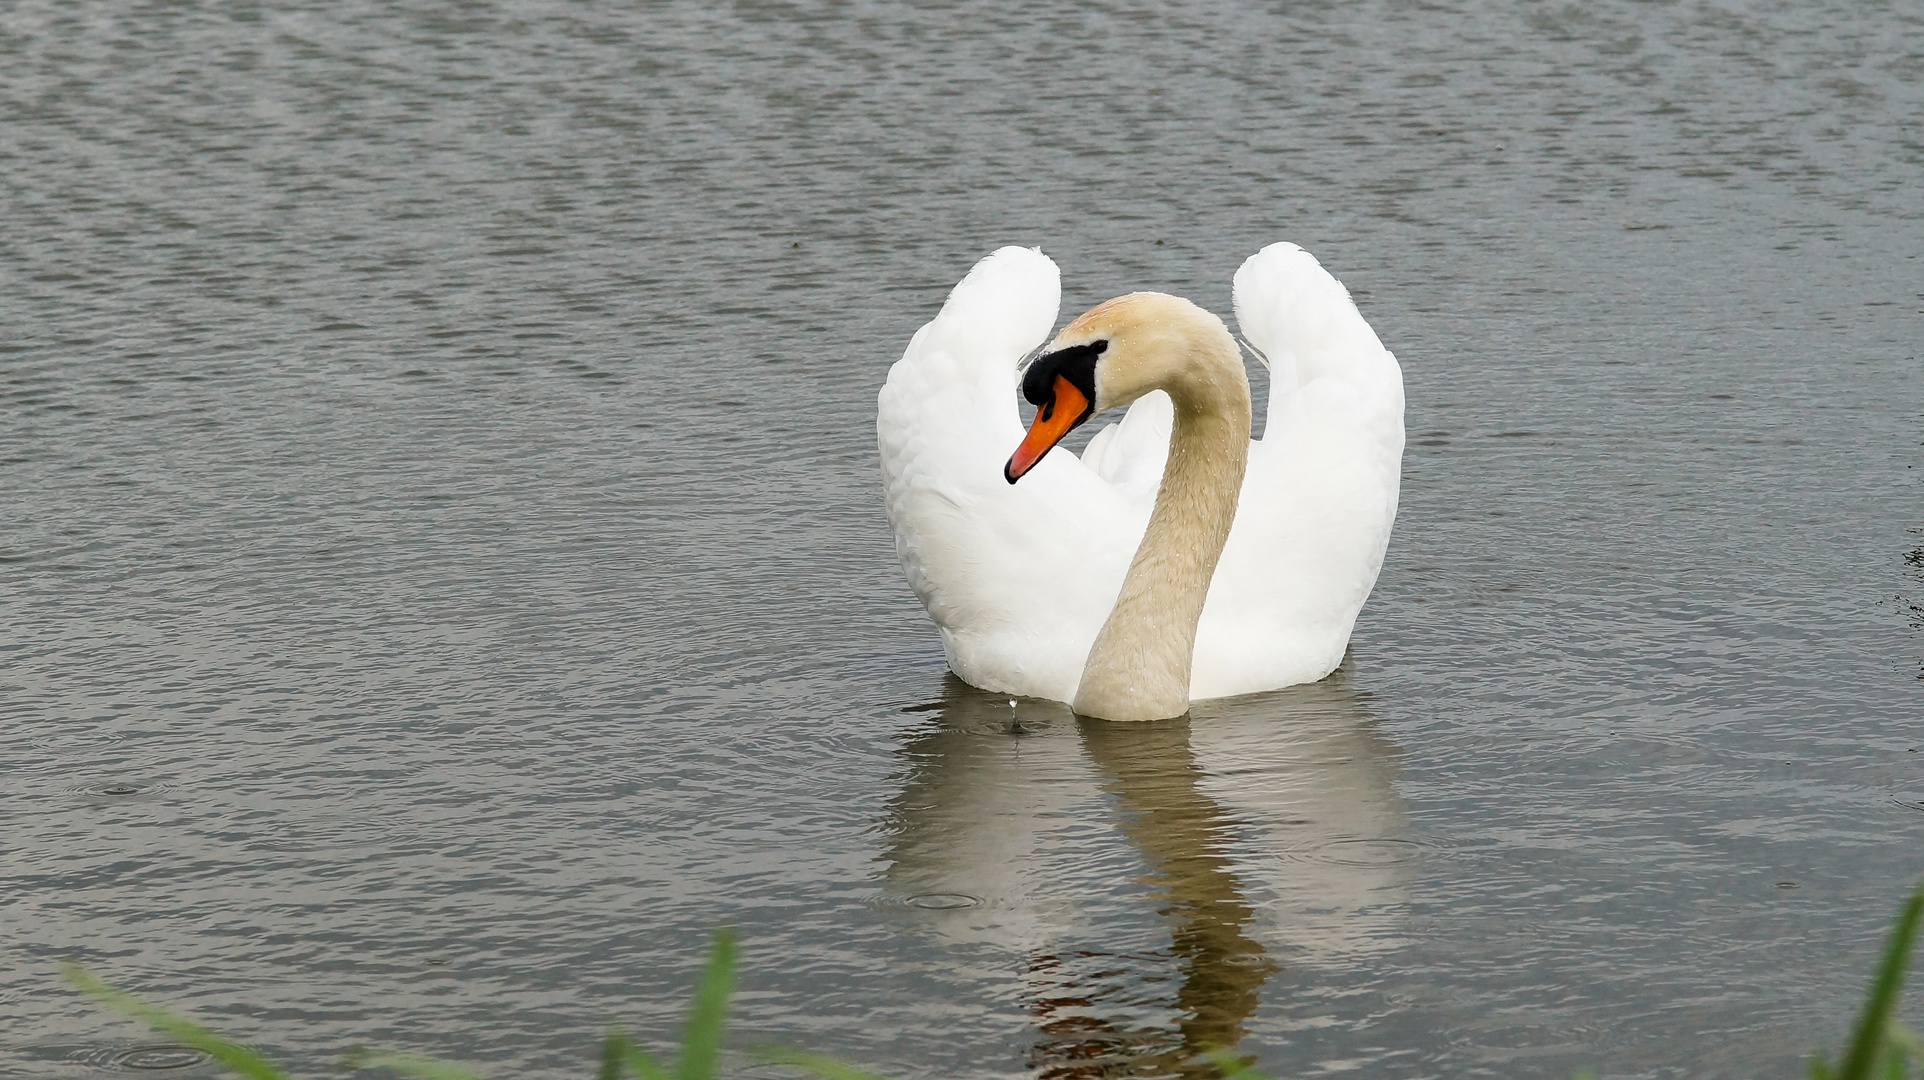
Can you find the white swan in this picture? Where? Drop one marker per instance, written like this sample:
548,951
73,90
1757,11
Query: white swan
1026,581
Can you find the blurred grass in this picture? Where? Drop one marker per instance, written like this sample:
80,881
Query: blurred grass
237,1058
1879,1048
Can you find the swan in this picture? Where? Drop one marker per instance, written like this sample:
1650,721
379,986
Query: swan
1176,559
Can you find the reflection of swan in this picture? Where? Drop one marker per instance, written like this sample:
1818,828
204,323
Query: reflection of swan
1310,779
1260,832
1071,585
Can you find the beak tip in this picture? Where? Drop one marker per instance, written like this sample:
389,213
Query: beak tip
1066,407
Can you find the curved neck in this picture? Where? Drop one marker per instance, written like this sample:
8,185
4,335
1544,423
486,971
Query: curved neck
1139,666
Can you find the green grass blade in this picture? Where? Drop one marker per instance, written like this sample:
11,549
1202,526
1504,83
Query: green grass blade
1233,1067
1901,1043
611,1057
182,1030
618,1051
701,1038
1867,1042
1905,1038
406,1064
819,1064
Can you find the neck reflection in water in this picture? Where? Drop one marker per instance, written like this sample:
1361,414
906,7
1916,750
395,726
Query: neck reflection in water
1149,879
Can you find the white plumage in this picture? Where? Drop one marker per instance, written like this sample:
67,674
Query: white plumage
1019,578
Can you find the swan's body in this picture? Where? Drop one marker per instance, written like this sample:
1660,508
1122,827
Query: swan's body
1022,578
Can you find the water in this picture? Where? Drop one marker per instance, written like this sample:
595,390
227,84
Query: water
444,574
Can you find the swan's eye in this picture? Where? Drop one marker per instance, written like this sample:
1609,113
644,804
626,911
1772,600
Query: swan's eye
1076,363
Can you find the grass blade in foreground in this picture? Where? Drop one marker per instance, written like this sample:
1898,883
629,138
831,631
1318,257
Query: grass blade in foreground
406,1065
1868,1044
1878,1036
701,1039
618,1051
1233,1067
179,1028
820,1064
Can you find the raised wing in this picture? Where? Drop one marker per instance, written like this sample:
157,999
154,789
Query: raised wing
1320,495
1018,578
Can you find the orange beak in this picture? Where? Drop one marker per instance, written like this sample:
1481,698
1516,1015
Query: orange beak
1052,421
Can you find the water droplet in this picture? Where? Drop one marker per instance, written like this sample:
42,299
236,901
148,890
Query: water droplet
1250,960
158,1056
1365,851
943,901
118,789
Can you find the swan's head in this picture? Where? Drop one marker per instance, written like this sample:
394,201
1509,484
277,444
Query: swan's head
1113,354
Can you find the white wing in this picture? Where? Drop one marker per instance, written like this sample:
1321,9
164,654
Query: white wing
1320,495
1130,454
1018,578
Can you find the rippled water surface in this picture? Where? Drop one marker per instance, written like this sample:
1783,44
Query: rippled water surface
443,570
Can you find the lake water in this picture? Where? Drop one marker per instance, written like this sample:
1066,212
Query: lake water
444,576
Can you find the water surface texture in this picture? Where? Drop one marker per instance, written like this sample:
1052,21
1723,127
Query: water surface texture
443,573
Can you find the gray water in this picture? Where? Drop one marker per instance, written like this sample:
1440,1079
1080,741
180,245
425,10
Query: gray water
443,570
